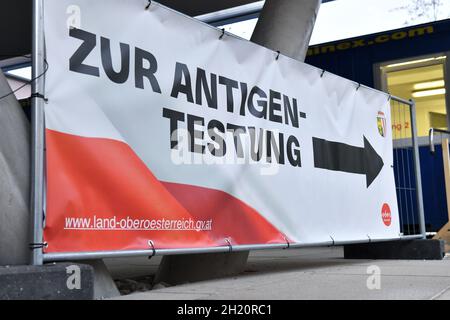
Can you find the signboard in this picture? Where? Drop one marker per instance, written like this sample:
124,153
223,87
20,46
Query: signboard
164,131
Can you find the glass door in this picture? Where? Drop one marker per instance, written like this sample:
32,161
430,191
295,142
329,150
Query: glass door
421,79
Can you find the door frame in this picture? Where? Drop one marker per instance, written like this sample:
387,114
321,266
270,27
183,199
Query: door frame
380,72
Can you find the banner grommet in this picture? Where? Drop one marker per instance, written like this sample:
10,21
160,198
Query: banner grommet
287,242
332,239
278,55
223,33
230,246
152,245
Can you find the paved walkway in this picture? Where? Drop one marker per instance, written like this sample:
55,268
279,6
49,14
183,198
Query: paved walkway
319,273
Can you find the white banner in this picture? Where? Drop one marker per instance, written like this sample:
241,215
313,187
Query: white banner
162,130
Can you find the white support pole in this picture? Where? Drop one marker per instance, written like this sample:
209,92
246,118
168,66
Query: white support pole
286,26
14,179
37,132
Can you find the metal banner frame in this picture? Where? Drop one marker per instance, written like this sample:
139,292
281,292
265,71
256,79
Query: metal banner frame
38,134
405,185
38,174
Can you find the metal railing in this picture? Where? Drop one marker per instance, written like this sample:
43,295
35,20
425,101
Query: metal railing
407,167
431,137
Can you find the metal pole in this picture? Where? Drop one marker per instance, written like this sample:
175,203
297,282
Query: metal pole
398,99
235,13
67,256
37,132
417,170
431,140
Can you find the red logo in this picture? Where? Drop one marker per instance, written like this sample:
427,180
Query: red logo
386,214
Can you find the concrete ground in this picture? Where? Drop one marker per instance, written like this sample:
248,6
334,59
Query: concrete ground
316,273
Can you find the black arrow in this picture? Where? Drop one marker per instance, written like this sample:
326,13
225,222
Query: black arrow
338,156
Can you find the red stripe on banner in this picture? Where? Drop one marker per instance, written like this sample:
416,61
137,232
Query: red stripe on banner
101,196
